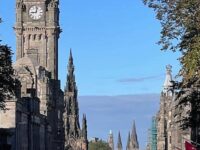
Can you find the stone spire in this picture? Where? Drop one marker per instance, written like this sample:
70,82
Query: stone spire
75,137
84,127
168,85
70,66
71,103
134,140
111,140
119,142
128,142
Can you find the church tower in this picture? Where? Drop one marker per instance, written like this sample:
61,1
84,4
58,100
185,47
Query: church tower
75,138
37,32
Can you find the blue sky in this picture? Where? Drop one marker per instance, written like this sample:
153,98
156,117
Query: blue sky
115,53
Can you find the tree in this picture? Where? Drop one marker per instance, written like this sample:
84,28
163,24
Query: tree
99,145
180,22
7,82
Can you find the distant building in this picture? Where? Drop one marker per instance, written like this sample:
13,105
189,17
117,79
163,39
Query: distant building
94,139
132,141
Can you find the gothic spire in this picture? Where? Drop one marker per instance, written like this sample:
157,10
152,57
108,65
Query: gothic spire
168,79
71,83
84,130
71,102
84,127
128,142
134,139
70,63
119,142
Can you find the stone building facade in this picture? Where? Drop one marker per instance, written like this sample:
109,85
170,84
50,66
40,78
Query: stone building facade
169,134
34,118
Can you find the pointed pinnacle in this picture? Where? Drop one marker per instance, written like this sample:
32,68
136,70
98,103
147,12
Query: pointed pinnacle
70,56
133,133
70,63
134,139
119,142
128,140
84,117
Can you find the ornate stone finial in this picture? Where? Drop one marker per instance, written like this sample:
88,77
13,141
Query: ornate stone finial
168,85
169,69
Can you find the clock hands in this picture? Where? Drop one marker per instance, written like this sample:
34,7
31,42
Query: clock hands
36,12
33,9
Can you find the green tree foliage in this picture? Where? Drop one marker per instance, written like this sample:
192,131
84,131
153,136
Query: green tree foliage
99,145
9,86
7,82
180,22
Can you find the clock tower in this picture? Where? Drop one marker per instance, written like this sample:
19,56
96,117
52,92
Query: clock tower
37,31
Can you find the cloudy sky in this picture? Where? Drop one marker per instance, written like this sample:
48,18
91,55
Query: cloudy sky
119,68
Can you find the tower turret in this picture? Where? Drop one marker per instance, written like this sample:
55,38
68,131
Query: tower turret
119,142
37,32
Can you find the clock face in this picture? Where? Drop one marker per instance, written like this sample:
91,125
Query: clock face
35,12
